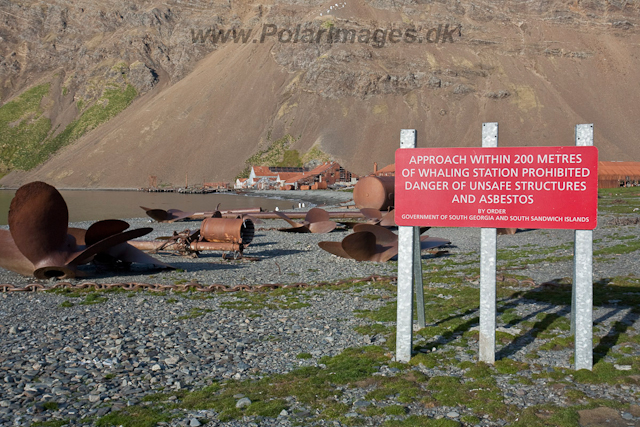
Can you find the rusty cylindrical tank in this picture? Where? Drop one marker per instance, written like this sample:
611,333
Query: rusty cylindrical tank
374,192
233,230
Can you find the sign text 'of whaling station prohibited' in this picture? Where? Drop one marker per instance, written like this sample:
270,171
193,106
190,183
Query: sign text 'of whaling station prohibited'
491,187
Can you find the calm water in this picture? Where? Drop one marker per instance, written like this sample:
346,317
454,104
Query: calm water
93,205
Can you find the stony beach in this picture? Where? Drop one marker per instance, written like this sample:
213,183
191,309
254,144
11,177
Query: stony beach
91,358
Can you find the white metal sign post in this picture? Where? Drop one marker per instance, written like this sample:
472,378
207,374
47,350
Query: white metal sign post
409,275
582,289
488,263
410,263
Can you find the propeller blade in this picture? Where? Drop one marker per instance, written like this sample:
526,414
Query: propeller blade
317,215
360,246
423,229
388,220
102,229
10,256
127,253
371,213
299,228
334,248
177,215
322,226
385,253
427,242
78,234
384,236
103,245
286,218
159,215
38,220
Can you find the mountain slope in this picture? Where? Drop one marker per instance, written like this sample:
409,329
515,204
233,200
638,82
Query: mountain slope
536,68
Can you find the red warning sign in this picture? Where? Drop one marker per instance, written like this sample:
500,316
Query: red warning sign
524,187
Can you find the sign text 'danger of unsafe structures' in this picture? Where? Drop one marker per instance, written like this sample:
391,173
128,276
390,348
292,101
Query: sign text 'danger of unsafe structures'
526,187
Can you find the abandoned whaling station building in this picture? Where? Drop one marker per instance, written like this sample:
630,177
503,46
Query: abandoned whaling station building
618,174
293,178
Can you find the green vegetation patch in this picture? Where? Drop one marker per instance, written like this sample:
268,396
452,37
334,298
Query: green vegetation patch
406,387
619,249
482,394
313,385
135,416
113,101
51,423
94,298
23,128
315,153
422,421
276,153
618,200
25,140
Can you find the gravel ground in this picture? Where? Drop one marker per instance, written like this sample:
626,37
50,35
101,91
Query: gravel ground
91,359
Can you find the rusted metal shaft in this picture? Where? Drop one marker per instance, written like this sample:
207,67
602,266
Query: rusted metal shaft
302,215
148,245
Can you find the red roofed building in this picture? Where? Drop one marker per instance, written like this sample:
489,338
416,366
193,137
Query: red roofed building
618,174
328,173
270,177
389,170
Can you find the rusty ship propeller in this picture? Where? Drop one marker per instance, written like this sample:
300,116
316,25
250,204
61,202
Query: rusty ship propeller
315,221
40,243
371,242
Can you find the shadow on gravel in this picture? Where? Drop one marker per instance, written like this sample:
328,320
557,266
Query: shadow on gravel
525,230
616,295
159,274
449,336
524,340
276,253
210,265
255,245
555,297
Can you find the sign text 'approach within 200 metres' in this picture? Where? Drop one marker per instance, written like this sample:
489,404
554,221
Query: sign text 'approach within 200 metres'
526,187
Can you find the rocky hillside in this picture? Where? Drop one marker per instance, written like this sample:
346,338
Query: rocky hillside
107,94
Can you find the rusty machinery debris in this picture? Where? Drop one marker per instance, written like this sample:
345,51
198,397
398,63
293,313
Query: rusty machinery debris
40,243
231,235
315,221
374,243
173,215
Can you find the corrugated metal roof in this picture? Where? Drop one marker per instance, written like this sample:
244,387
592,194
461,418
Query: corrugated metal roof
387,169
619,169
